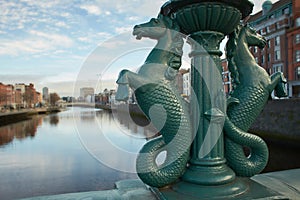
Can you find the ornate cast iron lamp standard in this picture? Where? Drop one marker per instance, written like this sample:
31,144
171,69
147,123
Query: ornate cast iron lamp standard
207,22
207,175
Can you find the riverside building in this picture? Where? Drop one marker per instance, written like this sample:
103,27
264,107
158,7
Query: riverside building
279,23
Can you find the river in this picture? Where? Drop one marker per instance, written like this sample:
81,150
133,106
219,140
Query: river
81,149
84,149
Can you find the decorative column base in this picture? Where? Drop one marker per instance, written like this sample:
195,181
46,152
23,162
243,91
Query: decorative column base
209,175
241,188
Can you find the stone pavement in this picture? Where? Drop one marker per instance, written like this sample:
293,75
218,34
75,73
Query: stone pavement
285,183
125,190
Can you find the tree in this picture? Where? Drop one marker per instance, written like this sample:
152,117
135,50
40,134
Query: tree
3,98
54,97
28,97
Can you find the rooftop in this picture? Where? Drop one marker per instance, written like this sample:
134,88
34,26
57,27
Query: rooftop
275,7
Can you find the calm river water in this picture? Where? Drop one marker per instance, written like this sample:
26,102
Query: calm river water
77,150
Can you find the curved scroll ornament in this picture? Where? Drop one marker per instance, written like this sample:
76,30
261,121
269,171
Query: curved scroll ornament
252,89
155,89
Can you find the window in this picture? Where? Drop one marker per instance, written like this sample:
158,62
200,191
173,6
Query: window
256,59
263,59
269,43
269,57
278,55
277,68
298,56
255,49
277,40
278,25
297,77
286,11
297,40
298,22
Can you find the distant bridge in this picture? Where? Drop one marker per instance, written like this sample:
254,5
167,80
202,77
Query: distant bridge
88,105
80,104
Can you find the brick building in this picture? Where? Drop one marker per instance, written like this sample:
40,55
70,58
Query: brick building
279,23
2,95
10,95
18,96
226,77
294,51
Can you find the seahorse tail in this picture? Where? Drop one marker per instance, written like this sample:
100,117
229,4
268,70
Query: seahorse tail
153,174
166,110
280,87
235,140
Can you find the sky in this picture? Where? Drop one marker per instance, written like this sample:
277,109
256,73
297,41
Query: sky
68,44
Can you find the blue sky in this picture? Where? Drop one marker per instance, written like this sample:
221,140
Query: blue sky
55,43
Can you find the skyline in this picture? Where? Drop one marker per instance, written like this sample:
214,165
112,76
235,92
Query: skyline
71,44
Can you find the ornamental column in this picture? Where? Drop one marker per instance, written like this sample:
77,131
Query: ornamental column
207,23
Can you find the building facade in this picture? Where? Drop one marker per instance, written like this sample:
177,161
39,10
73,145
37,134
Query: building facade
45,94
279,23
18,96
87,91
226,77
294,51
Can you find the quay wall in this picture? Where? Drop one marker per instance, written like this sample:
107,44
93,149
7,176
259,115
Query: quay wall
7,118
16,116
278,125
280,119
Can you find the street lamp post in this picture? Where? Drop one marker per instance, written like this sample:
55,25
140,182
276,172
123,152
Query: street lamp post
206,23
195,165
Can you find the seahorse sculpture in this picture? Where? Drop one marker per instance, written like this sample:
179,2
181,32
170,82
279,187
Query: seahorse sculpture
252,89
158,97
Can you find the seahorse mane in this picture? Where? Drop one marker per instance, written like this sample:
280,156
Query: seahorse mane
231,47
177,43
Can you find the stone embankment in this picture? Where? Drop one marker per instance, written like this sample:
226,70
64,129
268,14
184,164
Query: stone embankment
15,116
279,126
279,120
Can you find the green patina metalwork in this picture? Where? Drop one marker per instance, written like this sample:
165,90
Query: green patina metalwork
160,100
216,132
252,89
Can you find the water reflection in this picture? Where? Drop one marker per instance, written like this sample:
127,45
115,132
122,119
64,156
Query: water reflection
28,128
20,130
54,119
46,155
113,140
138,125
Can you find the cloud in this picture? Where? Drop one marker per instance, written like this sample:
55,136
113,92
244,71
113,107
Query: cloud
120,30
134,18
62,24
91,9
61,77
54,39
17,47
42,4
20,78
92,38
134,7
37,42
